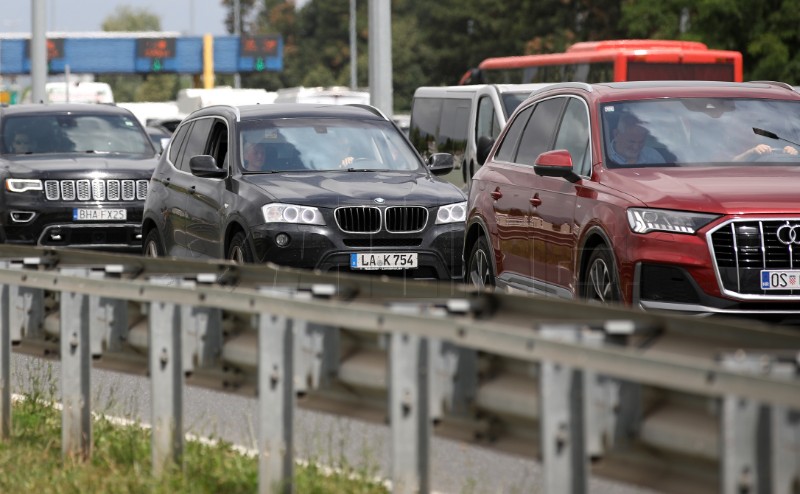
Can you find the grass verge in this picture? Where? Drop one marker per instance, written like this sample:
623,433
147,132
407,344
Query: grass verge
31,462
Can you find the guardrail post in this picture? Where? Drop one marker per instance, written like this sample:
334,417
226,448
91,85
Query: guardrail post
316,355
76,428
275,404
562,420
27,307
108,317
760,446
166,379
409,412
454,379
202,334
5,360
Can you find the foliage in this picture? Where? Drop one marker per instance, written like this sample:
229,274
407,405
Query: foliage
765,32
434,43
31,460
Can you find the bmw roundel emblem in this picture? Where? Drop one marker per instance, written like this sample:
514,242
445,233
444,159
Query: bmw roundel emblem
380,200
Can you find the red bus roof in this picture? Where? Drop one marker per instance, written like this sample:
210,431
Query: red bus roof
635,44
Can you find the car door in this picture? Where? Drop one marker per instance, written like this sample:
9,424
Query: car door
206,206
529,133
537,138
177,181
553,216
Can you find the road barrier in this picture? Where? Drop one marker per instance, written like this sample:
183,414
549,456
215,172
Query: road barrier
674,403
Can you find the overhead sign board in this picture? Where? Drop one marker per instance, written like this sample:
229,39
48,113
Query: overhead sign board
55,48
155,47
259,45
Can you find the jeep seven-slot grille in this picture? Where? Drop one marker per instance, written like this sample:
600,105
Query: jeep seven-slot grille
370,219
743,248
95,190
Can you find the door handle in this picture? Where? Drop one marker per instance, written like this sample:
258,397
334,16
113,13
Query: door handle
192,189
496,194
535,201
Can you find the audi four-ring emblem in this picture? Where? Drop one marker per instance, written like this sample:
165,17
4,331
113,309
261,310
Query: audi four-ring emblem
789,234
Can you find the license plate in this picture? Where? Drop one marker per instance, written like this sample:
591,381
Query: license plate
376,260
79,214
780,280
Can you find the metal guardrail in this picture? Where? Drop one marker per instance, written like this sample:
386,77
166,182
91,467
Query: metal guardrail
675,403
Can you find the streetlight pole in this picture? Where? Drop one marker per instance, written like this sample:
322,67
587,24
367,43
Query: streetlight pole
353,57
237,30
38,51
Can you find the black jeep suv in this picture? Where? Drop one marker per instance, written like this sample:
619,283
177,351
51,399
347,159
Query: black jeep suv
73,175
333,188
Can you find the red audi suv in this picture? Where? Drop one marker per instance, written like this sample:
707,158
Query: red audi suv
661,195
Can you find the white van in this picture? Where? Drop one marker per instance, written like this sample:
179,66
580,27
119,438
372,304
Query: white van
335,95
451,119
79,92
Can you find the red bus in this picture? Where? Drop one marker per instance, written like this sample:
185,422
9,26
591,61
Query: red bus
614,60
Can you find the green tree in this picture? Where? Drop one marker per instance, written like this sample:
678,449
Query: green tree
765,32
153,87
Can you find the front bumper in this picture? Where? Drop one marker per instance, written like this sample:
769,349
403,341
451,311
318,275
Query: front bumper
326,249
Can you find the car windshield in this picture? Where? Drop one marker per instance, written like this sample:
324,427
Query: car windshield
512,100
701,132
314,144
74,133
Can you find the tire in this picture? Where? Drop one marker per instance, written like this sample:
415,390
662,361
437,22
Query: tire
152,246
600,281
480,272
239,249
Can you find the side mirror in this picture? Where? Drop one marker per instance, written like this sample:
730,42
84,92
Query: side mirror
484,145
440,163
557,163
205,166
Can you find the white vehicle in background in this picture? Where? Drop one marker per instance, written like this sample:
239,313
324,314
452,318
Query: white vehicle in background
192,99
335,95
453,119
79,92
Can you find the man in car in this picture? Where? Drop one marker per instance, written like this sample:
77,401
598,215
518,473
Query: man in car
255,155
628,145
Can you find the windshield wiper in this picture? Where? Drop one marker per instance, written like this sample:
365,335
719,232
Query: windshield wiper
772,135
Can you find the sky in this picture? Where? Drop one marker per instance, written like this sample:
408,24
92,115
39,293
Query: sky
188,17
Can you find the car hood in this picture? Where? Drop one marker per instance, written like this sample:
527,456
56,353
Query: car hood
77,166
356,188
724,190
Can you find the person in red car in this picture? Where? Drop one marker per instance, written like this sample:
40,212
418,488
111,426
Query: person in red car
628,146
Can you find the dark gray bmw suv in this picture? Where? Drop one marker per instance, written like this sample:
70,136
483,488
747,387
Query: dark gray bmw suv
333,188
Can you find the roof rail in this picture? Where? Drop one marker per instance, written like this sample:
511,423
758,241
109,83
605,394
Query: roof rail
369,108
784,85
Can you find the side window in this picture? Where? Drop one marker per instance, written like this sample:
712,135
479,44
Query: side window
508,148
538,134
195,142
573,135
425,124
177,142
453,128
486,124
218,143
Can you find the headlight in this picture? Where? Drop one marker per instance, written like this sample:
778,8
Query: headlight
452,213
22,185
662,220
290,213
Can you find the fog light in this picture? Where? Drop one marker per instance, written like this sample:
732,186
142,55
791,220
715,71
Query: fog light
282,240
